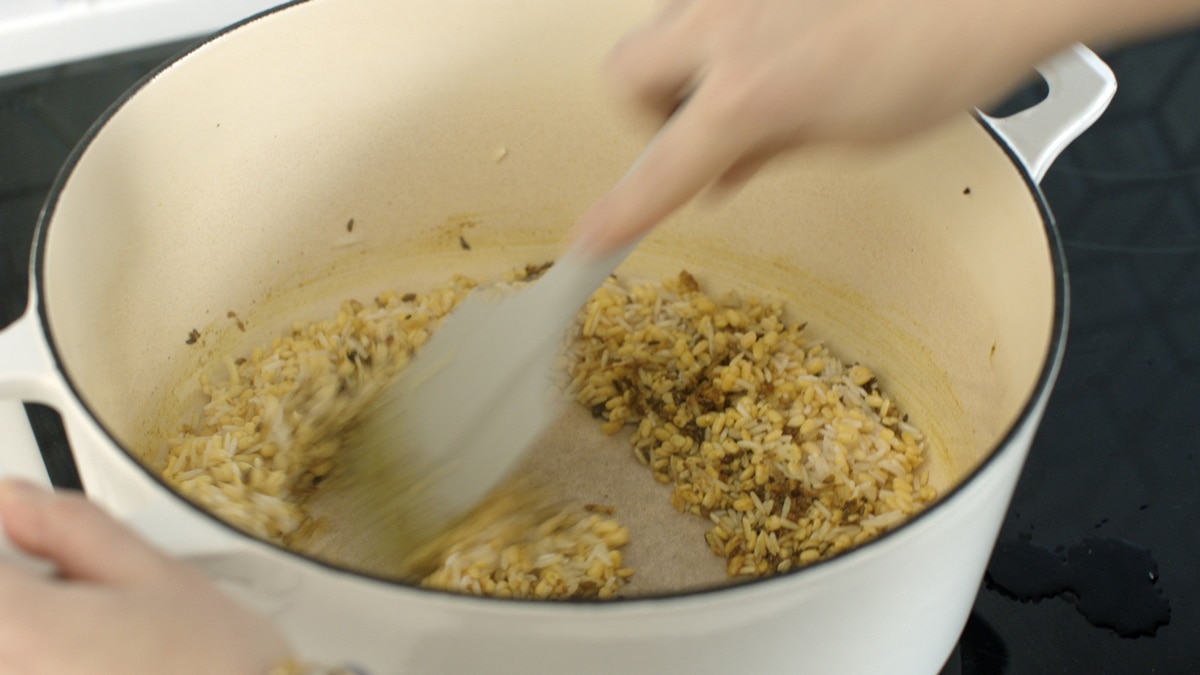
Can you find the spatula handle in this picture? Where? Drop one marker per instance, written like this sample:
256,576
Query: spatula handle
573,279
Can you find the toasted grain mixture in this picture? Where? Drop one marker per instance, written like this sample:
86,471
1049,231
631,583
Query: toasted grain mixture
543,553
270,432
793,456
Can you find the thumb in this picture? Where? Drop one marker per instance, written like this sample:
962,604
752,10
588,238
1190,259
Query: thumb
84,542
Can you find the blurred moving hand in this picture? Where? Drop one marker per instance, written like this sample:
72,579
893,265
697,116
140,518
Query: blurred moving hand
117,605
765,76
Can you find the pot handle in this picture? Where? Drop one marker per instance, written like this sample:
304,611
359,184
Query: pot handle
27,369
19,456
28,373
24,371
1080,86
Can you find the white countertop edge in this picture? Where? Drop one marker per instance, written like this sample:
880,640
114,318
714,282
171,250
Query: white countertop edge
81,30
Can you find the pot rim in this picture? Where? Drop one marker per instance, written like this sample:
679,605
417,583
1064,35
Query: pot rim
1029,411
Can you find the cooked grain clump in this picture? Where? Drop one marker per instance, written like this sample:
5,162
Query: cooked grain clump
271,429
793,456
539,552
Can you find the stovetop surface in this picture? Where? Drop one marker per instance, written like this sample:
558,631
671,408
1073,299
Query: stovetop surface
1095,571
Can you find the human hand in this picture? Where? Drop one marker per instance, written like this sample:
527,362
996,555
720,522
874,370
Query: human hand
117,605
765,76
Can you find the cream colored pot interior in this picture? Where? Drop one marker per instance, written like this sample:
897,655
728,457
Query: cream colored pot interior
229,181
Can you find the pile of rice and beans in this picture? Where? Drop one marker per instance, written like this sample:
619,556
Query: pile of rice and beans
792,455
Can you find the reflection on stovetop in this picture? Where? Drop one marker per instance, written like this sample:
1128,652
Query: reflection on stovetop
1110,485
1111,582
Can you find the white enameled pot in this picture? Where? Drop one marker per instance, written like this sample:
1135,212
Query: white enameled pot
225,180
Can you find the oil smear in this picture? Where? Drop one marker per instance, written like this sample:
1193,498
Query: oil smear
1113,583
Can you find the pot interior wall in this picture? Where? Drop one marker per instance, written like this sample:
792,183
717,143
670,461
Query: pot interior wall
228,182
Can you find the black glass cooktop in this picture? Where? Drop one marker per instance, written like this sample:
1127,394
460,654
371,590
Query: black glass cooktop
1095,571
1096,567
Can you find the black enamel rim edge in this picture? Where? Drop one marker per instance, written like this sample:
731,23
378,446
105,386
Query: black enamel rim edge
1051,361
